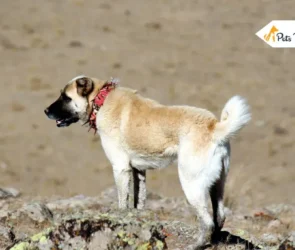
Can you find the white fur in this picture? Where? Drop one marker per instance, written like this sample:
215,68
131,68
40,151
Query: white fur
198,173
235,115
76,78
144,162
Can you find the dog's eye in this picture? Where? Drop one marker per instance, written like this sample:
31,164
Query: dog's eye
66,98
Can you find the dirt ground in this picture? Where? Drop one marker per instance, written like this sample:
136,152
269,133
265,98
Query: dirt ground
197,53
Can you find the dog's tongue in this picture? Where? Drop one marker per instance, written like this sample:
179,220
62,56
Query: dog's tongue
58,121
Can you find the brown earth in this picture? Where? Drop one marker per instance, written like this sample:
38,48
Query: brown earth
197,53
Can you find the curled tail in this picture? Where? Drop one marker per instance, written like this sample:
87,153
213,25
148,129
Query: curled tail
235,115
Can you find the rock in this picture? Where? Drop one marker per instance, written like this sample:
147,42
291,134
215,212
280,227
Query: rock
4,209
44,244
153,25
180,235
273,225
288,243
109,195
145,234
79,201
239,235
6,236
8,193
75,44
74,243
100,240
270,239
120,230
6,233
292,237
37,212
260,123
280,130
278,209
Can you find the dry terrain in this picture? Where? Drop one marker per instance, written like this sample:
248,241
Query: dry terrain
197,53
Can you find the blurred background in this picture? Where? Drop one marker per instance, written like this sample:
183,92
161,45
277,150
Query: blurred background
197,53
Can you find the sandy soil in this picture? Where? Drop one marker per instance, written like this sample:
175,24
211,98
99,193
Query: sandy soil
194,52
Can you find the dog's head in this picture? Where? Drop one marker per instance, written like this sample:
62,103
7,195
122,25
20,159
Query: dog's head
75,101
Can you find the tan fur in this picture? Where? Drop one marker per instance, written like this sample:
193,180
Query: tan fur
150,127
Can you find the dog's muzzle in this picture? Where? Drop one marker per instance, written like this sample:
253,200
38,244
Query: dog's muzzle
61,122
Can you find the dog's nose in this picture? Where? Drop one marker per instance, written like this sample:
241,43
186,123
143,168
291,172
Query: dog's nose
46,111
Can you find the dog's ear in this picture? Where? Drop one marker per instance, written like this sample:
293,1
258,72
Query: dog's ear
85,86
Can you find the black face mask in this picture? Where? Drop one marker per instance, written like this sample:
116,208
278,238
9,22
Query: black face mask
61,111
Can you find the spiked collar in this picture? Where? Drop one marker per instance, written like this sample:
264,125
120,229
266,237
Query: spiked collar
98,102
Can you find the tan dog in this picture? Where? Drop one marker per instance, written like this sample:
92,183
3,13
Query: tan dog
139,134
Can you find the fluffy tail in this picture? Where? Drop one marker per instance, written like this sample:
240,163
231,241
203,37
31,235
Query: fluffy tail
235,115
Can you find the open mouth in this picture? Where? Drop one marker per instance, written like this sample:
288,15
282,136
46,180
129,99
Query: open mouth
66,122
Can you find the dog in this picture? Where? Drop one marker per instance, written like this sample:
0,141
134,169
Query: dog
138,133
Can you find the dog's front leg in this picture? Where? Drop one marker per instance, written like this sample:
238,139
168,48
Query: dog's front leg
139,188
121,168
122,179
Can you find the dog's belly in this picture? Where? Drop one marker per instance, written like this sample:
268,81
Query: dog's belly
143,162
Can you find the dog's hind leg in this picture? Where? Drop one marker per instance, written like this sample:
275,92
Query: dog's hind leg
216,194
139,179
196,188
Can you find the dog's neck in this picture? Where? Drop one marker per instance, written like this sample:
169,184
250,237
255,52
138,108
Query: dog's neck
98,85
96,100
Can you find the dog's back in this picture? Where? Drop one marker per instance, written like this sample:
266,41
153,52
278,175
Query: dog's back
147,127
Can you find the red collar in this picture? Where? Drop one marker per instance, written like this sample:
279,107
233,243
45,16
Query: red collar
98,101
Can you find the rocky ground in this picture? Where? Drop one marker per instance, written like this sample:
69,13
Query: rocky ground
94,223
199,53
